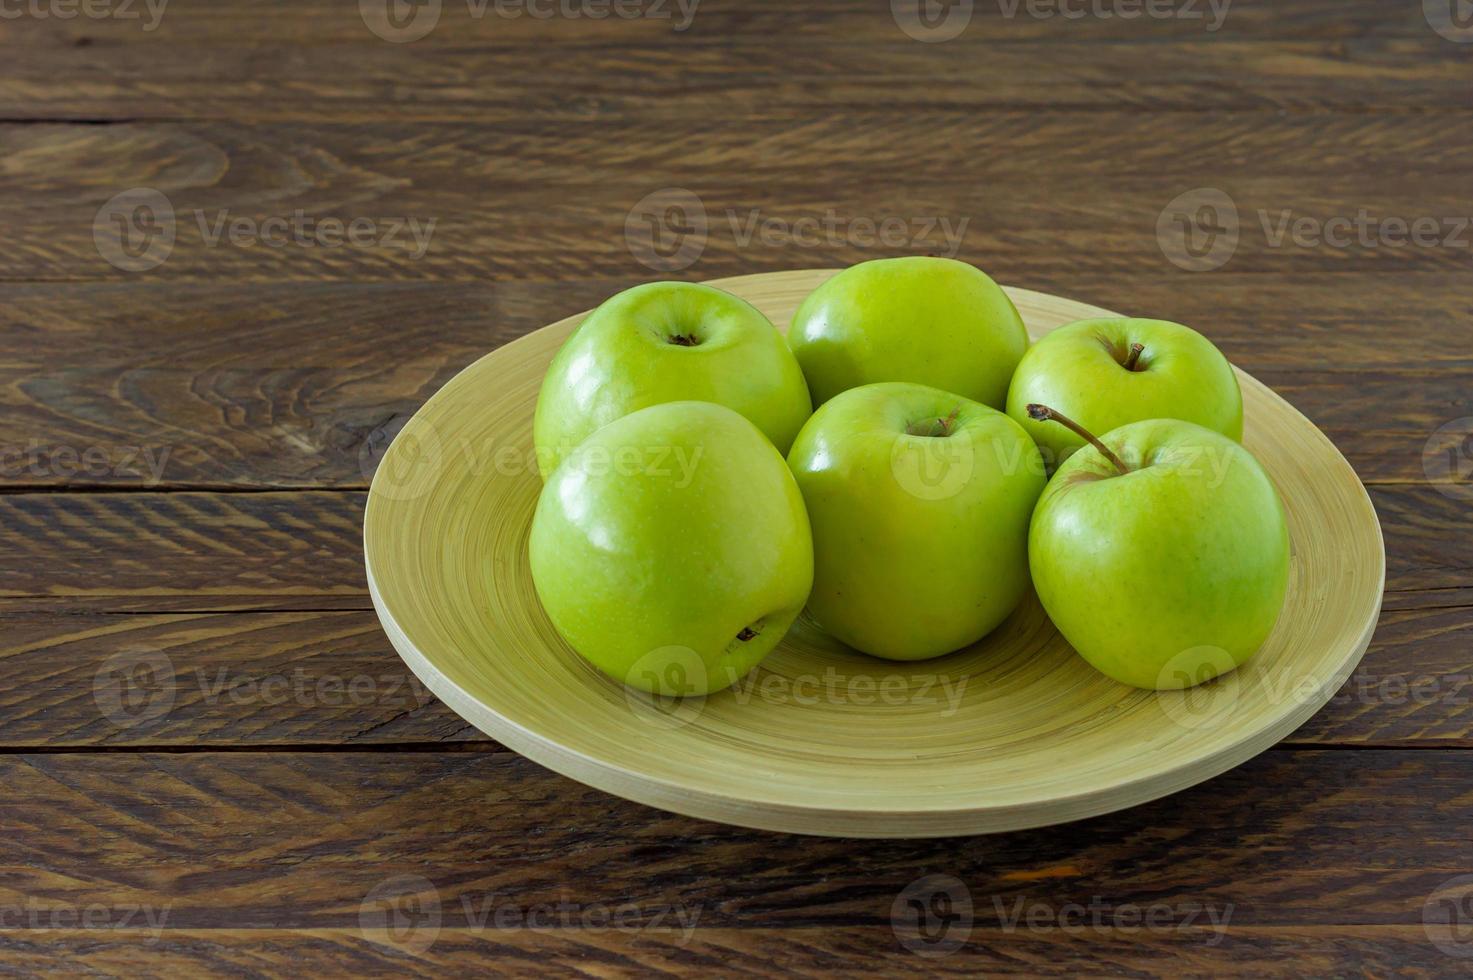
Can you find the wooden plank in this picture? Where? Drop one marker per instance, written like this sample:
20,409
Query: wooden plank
302,385
176,551
214,680
1052,222
60,164
331,678
217,551
299,840
810,952
321,22
652,71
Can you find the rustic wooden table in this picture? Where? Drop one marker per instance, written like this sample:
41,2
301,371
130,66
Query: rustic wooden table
245,241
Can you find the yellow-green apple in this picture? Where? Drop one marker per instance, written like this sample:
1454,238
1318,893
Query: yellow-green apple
664,342
919,501
1106,373
930,321
671,548
1160,552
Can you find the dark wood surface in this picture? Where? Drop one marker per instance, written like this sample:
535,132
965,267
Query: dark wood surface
212,759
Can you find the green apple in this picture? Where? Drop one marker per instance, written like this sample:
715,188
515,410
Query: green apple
665,342
1106,373
919,501
671,548
930,321
1164,562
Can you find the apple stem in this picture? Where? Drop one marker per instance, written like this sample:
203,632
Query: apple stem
1042,413
1135,355
934,427
746,634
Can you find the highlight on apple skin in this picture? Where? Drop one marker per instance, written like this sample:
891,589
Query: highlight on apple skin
1106,373
663,342
925,320
1167,574
919,501
671,548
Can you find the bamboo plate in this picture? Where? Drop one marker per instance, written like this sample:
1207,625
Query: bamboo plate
1015,731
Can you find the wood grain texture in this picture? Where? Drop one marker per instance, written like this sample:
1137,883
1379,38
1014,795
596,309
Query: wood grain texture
303,385
661,73
318,679
289,370
153,551
298,840
806,952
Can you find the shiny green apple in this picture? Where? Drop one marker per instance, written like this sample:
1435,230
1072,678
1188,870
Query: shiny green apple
1171,572
919,501
671,548
664,342
930,321
1088,371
